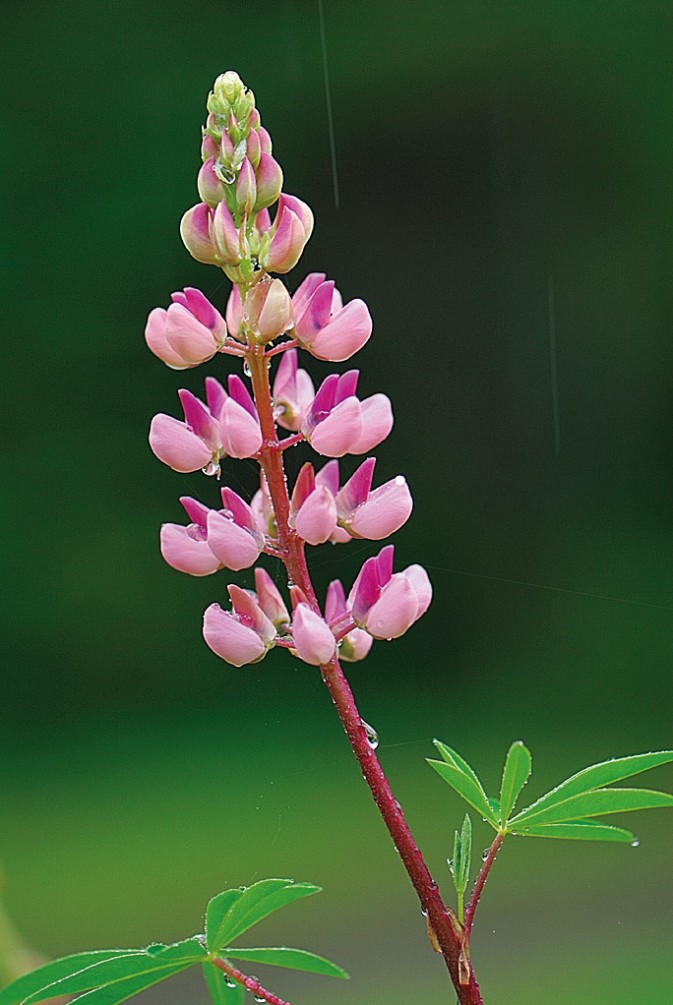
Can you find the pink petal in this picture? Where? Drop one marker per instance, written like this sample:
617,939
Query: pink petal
187,551
384,512
377,421
249,613
305,291
356,490
313,639
235,547
230,640
188,337
176,445
270,599
315,521
335,601
394,611
155,337
241,434
335,435
344,334
422,587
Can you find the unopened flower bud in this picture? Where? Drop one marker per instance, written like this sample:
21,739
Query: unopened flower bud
209,185
264,140
246,188
254,149
282,246
268,310
228,87
208,146
195,230
226,151
269,178
226,235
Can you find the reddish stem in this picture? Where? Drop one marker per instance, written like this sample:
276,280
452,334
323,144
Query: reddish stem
479,885
281,348
249,983
443,922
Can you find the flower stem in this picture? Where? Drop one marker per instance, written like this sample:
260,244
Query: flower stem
249,983
445,926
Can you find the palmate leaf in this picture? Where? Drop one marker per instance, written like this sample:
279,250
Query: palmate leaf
221,992
28,984
518,766
229,917
460,776
282,956
577,830
596,803
598,776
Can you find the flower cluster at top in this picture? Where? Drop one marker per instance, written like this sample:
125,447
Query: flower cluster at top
231,228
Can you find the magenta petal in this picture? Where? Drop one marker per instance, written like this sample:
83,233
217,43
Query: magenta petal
176,445
365,591
377,421
335,435
356,490
239,509
316,313
394,611
315,520
187,551
195,510
229,639
235,547
335,601
155,337
249,612
313,639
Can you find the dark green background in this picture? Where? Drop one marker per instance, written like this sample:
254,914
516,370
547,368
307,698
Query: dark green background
482,148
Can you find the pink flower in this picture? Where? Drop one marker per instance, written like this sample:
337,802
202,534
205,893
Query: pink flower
337,423
328,330
269,178
228,425
313,640
373,515
232,533
313,512
356,644
186,548
242,635
386,605
188,333
293,392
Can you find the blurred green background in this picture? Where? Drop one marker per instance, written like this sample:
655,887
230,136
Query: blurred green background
505,205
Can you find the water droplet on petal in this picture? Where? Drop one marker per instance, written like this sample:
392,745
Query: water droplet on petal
635,843
372,735
212,470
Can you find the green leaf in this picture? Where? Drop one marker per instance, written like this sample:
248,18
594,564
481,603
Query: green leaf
120,991
453,757
253,904
125,971
462,855
216,912
281,956
28,984
578,830
598,776
469,790
518,765
595,804
222,993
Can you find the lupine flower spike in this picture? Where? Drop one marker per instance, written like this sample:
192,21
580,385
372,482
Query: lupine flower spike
247,226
